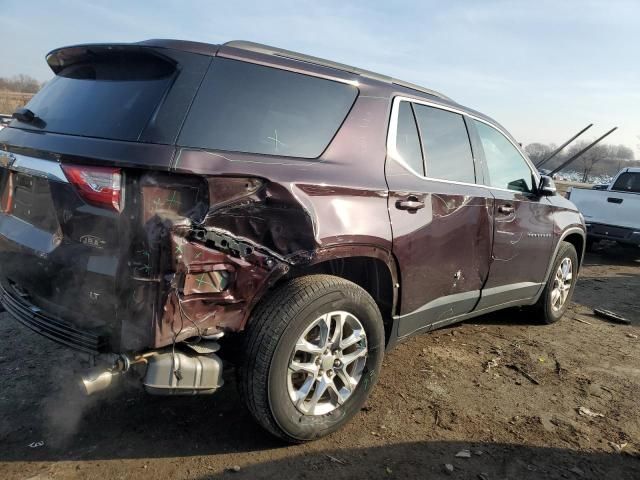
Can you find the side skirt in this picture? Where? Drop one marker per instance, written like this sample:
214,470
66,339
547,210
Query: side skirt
422,320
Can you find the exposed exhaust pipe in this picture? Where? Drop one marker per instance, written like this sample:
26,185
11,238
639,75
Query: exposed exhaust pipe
196,371
97,380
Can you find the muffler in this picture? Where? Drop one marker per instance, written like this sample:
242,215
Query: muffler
196,371
183,373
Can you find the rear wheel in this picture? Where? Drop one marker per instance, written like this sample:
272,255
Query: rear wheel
555,298
313,351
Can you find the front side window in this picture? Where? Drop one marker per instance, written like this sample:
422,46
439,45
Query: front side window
250,108
408,140
627,182
447,150
507,168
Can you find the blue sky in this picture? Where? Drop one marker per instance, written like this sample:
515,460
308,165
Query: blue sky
544,69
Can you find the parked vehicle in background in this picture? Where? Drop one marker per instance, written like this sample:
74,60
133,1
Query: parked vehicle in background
167,205
612,213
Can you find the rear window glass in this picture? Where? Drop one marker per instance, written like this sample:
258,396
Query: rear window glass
254,109
627,182
447,150
113,96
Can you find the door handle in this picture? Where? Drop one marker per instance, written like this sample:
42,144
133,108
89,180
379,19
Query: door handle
412,204
614,200
506,209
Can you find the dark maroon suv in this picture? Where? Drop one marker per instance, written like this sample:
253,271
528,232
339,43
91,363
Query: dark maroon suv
172,207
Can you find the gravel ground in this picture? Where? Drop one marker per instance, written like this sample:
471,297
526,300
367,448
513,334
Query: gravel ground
500,390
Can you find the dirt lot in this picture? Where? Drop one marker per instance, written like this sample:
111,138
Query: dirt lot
460,388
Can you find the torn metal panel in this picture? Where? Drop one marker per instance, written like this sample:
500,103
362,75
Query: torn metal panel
267,215
213,291
190,277
206,282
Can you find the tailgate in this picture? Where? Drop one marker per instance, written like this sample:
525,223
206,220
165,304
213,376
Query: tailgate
70,219
54,277
609,208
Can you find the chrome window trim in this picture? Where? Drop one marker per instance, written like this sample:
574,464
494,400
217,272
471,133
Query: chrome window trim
393,153
37,167
292,68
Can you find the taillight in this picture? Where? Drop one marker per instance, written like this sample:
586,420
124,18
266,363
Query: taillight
99,186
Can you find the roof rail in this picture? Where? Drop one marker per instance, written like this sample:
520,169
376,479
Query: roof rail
281,52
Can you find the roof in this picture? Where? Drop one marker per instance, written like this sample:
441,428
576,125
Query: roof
212,49
280,52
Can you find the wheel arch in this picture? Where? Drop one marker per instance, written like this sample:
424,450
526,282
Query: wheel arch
578,240
370,267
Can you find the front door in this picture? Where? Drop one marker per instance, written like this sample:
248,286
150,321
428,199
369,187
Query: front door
523,227
441,219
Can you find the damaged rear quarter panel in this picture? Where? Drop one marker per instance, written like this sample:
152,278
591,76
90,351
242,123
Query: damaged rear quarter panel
254,217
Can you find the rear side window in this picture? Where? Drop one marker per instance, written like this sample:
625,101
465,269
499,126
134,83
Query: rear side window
627,182
250,108
507,168
408,140
113,96
447,150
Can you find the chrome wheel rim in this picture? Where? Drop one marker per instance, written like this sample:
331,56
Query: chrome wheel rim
327,363
561,284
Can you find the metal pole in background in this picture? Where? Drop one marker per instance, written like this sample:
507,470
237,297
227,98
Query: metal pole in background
557,150
581,152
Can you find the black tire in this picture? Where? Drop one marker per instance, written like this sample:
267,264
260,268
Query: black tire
276,324
543,308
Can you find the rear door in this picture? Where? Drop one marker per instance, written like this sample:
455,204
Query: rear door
523,226
441,219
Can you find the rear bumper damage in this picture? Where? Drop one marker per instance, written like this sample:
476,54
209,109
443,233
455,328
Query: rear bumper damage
17,304
182,369
217,280
183,284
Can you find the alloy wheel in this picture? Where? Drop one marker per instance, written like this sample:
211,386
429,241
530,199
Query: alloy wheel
562,284
327,363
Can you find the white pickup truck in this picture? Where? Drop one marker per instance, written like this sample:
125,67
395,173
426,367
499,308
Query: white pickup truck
614,213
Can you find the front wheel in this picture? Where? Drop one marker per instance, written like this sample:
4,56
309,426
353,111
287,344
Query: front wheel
555,298
313,351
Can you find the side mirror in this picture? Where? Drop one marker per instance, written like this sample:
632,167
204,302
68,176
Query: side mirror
547,187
